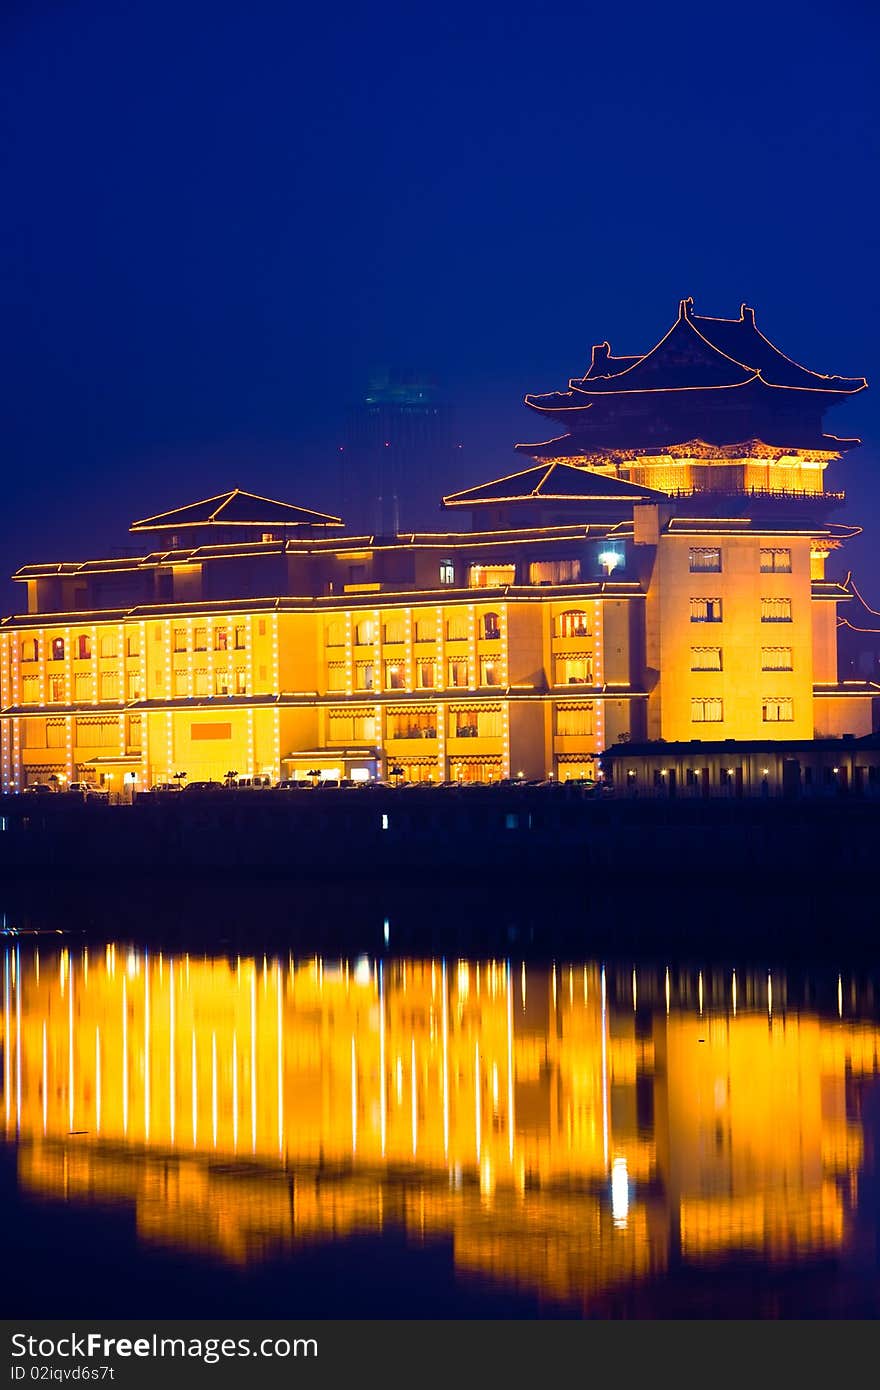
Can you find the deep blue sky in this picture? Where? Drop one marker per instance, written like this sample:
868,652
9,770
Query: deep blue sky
218,220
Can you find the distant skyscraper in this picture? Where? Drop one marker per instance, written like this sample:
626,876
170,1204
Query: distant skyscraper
398,448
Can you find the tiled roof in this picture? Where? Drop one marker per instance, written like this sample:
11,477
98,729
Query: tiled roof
235,508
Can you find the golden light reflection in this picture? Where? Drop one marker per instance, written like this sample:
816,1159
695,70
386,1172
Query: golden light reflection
566,1140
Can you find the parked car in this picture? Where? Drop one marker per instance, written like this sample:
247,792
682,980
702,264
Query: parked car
166,787
250,783
98,794
203,787
39,789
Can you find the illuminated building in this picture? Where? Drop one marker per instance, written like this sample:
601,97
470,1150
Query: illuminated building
659,573
568,1130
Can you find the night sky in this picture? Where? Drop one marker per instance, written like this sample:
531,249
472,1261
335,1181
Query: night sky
219,220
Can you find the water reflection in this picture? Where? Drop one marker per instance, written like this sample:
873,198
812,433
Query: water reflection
569,1129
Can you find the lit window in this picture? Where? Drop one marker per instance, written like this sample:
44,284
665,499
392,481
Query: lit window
108,644
776,659
491,625
200,639
491,576
705,658
241,680
363,674
447,572
200,682
704,560
573,623
705,610
575,720
57,648
221,682
489,671
458,672
335,676
30,649
109,686
776,561
395,630
425,675
554,571
777,710
179,683
574,670
364,633
393,675
709,711
220,639
775,610
56,689
178,643
457,627
133,644
83,650
240,637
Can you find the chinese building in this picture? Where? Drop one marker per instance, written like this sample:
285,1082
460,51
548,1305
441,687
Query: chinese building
657,572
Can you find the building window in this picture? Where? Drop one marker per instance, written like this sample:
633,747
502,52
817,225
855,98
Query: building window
394,671
575,720
57,649
82,688
776,562
412,724
134,685
424,675
240,637
335,634
178,640
220,639
777,711
200,639
363,675
56,733
705,610
447,572
30,649
221,681
395,630
56,689
704,560
240,675
775,610
457,627
776,659
705,658
491,576
179,683
336,675
554,571
349,726
491,626
477,723
31,689
364,633
133,733
200,682
573,623
425,629
490,671
458,672
574,670
109,685
108,644
269,536
261,627
707,711
83,648
133,644
97,733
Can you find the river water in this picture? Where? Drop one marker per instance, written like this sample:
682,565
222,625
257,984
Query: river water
224,1134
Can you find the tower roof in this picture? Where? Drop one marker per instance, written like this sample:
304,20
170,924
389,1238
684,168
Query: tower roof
556,482
235,508
697,353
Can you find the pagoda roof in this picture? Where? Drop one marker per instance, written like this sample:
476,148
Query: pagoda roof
679,443
235,508
697,353
558,482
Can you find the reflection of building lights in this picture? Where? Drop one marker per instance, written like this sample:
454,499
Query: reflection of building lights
619,1192
362,972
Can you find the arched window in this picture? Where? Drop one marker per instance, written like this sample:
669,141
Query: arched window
573,623
491,626
30,649
57,648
